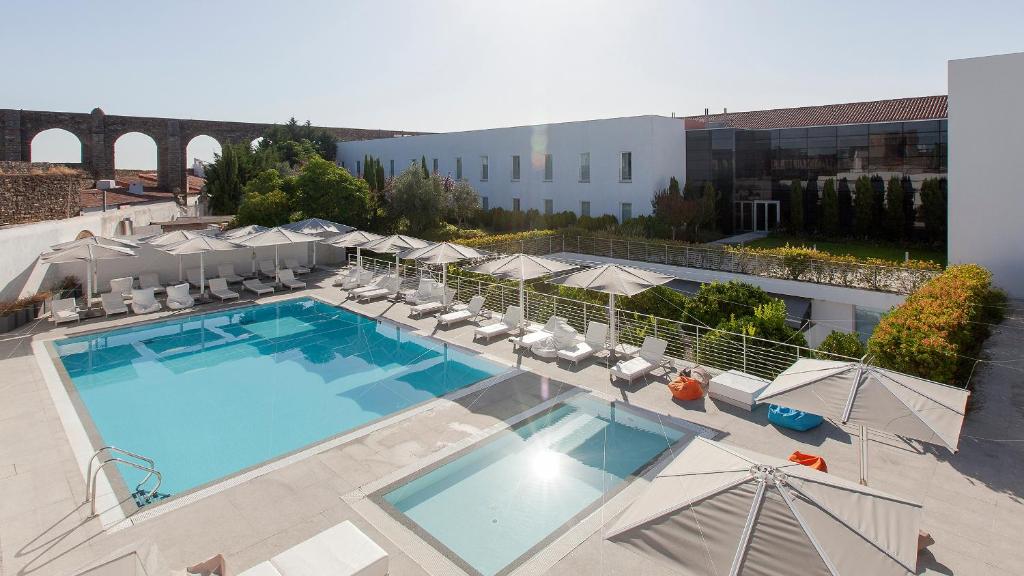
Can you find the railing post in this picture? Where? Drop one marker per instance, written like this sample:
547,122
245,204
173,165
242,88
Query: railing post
628,244
584,316
578,244
744,352
696,353
666,253
655,326
550,239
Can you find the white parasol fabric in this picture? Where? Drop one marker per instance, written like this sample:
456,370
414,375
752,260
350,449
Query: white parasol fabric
242,232
199,245
276,237
443,253
872,398
522,267
718,509
88,250
354,239
318,227
396,244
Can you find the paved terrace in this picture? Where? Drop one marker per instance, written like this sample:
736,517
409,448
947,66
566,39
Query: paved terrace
972,501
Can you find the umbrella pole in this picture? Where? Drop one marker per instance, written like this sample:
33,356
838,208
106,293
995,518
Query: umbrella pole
181,273
313,265
202,276
863,455
522,302
277,267
359,257
88,283
398,270
611,321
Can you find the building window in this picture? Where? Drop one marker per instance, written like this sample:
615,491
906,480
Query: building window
515,204
515,168
549,206
485,204
626,167
458,168
484,172
549,169
627,211
391,166
585,167
585,208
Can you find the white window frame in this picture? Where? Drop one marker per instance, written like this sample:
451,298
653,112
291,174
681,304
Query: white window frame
622,156
549,168
516,167
585,180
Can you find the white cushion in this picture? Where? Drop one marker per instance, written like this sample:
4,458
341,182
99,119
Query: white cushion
582,350
342,549
633,366
493,329
262,569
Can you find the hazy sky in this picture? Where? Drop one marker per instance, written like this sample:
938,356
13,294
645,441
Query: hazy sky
442,66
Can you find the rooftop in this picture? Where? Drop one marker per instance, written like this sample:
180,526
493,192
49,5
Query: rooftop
894,110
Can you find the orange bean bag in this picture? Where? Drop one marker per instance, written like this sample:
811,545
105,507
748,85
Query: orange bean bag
816,462
684,388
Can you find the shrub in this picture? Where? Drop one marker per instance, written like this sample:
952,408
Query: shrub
486,240
842,344
940,327
719,301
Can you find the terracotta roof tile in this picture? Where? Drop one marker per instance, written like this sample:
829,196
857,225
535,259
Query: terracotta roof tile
897,110
93,198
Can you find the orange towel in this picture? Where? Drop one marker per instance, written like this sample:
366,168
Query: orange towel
684,388
816,462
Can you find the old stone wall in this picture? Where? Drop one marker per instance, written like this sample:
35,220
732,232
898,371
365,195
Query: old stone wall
34,197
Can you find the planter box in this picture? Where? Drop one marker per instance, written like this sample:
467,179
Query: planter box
7,322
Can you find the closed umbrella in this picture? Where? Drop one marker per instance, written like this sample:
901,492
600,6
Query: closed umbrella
872,398
199,245
276,237
718,509
443,253
354,239
614,280
522,267
396,244
89,252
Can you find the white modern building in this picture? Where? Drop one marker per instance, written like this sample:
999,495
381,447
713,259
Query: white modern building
595,167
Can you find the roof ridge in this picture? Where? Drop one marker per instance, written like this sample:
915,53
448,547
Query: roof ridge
809,106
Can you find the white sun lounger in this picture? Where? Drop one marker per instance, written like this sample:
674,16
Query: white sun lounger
150,280
535,335
267,268
425,292
293,265
259,288
144,302
471,311
288,279
227,273
345,276
363,278
178,297
192,275
563,336
122,286
508,323
593,342
219,288
113,304
651,356
387,288
342,550
64,310
443,301
374,284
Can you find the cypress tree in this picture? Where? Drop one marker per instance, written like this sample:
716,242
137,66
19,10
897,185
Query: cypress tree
864,207
909,209
878,203
845,207
830,209
810,195
796,207
423,164
894,209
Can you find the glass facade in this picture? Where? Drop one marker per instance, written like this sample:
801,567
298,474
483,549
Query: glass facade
760,165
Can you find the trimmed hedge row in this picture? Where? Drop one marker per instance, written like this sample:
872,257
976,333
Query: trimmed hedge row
800,255
503,238
940,327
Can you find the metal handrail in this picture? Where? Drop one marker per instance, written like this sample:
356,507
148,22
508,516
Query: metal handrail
90,480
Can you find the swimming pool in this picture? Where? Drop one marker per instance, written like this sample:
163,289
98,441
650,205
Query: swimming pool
209,395
515,492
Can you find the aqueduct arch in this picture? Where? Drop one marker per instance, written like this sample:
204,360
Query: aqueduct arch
98,131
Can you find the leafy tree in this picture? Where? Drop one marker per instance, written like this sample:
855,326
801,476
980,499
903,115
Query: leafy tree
318,141
845,207
716,302
325,190
909,210
464,201
894,221
671,209
265,182
830,209
933,209
707,212
842,344
796,207
223,183
811,207
417,199
270,209
878,203
864,207
423,165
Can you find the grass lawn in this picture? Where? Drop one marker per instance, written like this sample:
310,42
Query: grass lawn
858,248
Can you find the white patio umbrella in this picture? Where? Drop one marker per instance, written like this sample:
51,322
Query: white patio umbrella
96,241
717,509
242,232
614,280
443,253
199,245
318,227
396,244
872,398
522,267
175,236
354,239
276,237
89,252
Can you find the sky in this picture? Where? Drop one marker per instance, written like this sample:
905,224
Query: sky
456,65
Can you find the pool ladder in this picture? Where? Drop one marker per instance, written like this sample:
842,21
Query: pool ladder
112,456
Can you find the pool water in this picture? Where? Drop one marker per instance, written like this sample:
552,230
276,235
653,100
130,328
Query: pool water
209,395
494,504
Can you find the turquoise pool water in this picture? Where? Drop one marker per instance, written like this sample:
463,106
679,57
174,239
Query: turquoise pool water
494,504
209,395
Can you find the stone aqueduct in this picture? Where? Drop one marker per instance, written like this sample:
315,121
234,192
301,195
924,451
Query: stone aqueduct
98,131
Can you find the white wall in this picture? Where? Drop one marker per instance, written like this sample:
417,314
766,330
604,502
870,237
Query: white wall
657,143
986,166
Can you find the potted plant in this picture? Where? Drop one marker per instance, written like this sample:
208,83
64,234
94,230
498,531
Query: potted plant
68,287
8,317
23,309
38,301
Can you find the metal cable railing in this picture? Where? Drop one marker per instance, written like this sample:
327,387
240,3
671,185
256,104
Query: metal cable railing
687,342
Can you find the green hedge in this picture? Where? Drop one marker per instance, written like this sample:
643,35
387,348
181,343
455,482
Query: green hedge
940,327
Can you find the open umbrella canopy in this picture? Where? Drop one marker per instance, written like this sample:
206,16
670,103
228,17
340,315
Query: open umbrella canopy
614,279
242,232
396,243
442,253
94,241
873,397
717,509
86,252
275,237
176,236
353,239
199,244
522,267
318,226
